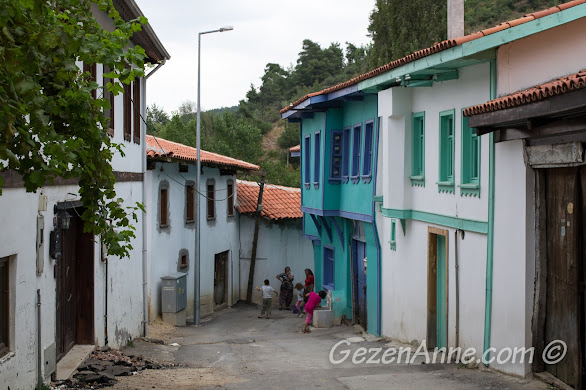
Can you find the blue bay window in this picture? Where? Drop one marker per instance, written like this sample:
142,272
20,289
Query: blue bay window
356,146
306,161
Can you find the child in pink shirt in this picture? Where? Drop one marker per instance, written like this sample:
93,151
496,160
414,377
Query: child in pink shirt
312,302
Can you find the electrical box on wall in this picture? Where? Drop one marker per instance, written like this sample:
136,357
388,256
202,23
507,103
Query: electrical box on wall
40,244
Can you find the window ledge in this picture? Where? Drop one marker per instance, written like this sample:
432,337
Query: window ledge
445,186
417,181
393,245
190,221
470,189
315,185
355,179
7,357
161,226
328,287
366,178
307,186
344,179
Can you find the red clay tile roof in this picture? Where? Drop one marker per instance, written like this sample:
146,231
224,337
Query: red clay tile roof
159,147
295,148
278,202
441,46
533,94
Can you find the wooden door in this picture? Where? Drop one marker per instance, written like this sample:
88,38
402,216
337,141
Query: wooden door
75,287
437,288
220,282
564,319
359,281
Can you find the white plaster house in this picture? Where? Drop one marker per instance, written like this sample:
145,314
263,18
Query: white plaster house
538,123
457,235
280,237
86,297
171,178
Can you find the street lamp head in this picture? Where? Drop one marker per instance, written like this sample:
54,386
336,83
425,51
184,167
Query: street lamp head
227,28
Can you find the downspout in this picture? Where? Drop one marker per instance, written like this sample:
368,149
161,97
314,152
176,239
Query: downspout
457,287
39,346
376,236
145,318
490,235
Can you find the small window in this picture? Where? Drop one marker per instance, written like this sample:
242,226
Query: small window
367,155
446,152
189,203
306,161
418,150
164,198
470,178
127,112
91,69
211,197
230,199
393,240
109,97
356,146
328,268
183,262
317,159
336,156
346,155
136,110
4,307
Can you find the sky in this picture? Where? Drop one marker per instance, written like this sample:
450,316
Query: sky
264,31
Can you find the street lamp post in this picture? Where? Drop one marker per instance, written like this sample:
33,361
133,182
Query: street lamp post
197,279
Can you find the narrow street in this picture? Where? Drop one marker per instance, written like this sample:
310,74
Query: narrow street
233,349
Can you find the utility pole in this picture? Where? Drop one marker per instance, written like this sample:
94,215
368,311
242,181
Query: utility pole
255,241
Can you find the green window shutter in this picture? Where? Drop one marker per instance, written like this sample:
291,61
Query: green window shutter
446,152
418,150
470,173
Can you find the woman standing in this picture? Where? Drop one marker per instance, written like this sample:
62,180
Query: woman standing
309,285
286,279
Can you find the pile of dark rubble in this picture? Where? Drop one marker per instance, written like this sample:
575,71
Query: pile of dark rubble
102,367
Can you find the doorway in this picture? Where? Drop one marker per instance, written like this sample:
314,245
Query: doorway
437,288
565,208
220,278
75,286
359,282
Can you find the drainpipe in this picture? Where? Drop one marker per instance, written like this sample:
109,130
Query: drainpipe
39,347
145,319
490,235
457,287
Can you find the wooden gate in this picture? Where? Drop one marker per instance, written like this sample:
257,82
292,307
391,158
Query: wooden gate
75,287
565,190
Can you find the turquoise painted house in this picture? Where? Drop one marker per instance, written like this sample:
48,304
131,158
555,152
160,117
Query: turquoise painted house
339,138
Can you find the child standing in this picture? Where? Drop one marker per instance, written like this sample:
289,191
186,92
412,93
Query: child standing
266,298
312,302
299,290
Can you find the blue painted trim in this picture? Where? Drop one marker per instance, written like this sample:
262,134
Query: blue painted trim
307,162
343,92
317,242
310,210
327,227
316,223
367,176
346,156
356,152
333,265
337,179
295,154
348,215
317,158
310,237
338,230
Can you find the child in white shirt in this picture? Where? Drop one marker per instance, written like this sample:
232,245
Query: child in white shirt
266,298
299,290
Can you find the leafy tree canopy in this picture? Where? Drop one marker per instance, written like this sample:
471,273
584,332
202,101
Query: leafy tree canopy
50,125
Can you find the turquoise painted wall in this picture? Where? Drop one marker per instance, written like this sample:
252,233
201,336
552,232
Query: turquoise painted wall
350,197
309,227
312,197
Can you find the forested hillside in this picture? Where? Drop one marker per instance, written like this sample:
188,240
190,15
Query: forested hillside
249,130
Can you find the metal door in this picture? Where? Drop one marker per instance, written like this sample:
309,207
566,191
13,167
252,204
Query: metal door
359,282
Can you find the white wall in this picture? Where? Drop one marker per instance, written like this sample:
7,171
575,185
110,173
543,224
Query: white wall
279,245
404,313
165,243
541,57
